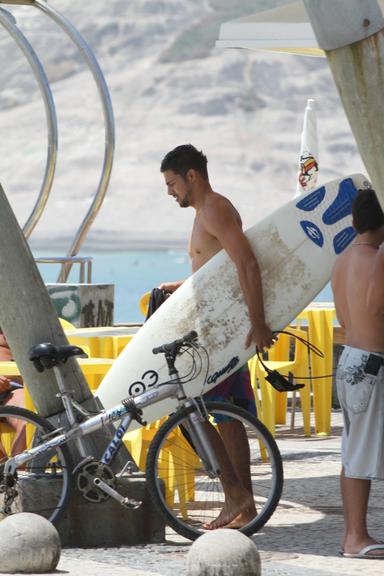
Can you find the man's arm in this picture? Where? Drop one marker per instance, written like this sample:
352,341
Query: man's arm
335,281
221,221
375,293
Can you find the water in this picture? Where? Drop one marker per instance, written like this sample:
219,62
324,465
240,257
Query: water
133,273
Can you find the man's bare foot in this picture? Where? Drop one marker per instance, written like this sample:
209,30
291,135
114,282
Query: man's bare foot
240,513
242,519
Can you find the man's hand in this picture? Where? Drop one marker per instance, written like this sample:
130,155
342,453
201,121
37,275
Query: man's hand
262,336
5,384
170,286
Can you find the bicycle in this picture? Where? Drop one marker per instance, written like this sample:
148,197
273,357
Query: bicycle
180,458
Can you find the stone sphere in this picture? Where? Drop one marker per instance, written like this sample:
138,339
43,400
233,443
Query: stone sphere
28,543
223,552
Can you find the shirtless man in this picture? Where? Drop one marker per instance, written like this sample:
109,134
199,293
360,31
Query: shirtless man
218,225
358,287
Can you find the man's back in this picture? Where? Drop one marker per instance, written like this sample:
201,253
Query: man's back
352,280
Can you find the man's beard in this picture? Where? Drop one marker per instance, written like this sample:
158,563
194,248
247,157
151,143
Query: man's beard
184,202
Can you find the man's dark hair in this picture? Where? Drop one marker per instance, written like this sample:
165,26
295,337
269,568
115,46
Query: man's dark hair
366,211
183,158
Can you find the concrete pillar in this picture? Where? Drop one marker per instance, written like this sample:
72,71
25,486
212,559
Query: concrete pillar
351,32
223,552
29,544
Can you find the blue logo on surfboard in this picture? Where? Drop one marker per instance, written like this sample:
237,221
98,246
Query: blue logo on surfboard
339,209
313,232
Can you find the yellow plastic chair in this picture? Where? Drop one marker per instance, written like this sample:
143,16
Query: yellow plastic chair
81,341
252,366
66,325
143,303
138,441
320,332
85,343
176,478
7,435
274,403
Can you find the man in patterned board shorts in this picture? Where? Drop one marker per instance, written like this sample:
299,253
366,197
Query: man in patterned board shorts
358,287
237,389
217,225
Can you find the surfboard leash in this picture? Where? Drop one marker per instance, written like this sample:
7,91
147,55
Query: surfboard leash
277,380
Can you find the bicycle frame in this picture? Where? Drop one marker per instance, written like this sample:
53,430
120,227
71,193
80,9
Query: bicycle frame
129,409
187,433
99,421
119,412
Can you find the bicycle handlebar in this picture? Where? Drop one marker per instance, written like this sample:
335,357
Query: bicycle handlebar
174,347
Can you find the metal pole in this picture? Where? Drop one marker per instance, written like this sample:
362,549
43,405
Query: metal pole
351,34
9,23
91,61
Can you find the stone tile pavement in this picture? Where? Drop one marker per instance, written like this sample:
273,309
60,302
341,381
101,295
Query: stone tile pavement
301,539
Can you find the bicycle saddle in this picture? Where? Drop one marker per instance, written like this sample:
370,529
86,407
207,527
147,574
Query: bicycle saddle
47,355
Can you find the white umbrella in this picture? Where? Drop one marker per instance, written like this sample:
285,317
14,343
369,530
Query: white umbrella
309,154
283,29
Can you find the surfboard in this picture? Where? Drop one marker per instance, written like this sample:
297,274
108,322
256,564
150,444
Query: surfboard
296,247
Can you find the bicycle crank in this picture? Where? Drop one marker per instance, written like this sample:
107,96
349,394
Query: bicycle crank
123,500
87,473
96,482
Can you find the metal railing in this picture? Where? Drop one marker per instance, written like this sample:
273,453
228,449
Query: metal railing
8,21
109,127
84,261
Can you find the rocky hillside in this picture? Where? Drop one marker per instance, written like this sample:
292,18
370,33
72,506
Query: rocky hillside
169,85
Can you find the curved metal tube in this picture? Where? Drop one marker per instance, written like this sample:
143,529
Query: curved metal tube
7,20
93,65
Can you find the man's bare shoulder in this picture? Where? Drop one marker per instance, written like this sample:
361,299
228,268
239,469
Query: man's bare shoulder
216,205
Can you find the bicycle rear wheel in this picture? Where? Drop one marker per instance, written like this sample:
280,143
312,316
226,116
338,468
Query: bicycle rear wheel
191,498
43,484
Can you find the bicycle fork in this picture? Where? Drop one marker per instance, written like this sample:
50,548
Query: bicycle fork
196,428
195,423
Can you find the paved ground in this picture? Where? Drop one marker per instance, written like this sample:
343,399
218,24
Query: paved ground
301,539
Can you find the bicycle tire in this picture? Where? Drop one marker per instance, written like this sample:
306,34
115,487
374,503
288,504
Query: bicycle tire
197,499
33,493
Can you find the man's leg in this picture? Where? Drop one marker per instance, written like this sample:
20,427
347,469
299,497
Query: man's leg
355,496
232,451
236,443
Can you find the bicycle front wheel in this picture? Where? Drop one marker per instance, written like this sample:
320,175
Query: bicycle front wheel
186,495
41,485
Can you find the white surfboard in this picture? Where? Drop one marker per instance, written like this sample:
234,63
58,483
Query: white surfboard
296,247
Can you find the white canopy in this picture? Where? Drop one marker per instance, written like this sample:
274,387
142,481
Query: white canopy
283,29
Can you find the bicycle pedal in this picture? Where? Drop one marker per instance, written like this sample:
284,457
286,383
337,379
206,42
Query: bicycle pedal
131,504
